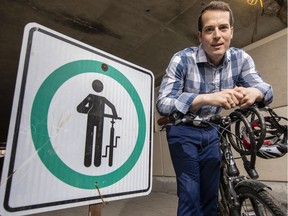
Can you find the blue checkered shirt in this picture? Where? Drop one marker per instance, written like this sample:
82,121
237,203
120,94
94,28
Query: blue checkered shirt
189,74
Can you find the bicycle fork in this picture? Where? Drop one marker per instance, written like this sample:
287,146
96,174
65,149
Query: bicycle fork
230,171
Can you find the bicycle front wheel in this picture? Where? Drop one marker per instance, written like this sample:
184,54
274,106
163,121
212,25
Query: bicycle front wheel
261,203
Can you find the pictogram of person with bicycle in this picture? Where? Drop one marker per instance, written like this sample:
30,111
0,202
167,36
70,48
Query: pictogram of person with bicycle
201,81
94,107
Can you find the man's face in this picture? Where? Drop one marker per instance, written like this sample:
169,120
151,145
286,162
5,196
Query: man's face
216,34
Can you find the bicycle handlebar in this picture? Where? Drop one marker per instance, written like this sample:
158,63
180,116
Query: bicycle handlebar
189,118
112,116
237,116
170,119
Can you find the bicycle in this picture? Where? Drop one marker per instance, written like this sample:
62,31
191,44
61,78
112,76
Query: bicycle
239,195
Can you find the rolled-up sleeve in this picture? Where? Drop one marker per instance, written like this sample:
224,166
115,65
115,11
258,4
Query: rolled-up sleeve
250,77
171,96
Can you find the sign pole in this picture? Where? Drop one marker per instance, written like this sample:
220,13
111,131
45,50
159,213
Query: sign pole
95,210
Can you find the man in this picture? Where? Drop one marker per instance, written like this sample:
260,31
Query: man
204,80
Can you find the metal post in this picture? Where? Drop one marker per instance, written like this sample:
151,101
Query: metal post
95,209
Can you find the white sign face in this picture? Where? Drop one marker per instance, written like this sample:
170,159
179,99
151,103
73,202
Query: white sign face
80,130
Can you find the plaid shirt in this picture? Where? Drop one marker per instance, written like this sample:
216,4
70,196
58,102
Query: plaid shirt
190,73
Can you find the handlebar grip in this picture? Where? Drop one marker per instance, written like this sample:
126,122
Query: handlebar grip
163,121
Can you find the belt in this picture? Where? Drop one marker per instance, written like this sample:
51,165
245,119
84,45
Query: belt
204,127
200,125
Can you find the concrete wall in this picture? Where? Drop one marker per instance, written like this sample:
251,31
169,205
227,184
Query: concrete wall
270,56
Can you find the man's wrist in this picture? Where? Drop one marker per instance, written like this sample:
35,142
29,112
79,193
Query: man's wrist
199,101
260,95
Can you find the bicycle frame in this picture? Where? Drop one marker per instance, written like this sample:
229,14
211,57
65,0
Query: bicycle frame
231,181
229,203
236,189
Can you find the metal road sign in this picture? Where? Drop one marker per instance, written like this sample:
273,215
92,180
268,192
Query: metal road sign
80,129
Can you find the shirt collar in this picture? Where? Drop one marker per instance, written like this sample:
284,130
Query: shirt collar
202,58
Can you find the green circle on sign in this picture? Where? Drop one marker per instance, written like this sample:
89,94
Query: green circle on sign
40,134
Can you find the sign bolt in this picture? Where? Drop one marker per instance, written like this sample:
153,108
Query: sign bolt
104,67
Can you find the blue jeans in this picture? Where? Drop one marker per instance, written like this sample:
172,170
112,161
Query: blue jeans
195,155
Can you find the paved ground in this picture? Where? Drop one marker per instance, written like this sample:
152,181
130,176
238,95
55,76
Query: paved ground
155,204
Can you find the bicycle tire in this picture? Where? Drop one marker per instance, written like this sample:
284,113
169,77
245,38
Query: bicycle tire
239,117
253,114
258,203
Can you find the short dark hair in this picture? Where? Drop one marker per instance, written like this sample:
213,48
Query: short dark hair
215,5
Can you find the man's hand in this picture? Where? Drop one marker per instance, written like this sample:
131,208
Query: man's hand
250,96
227,99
